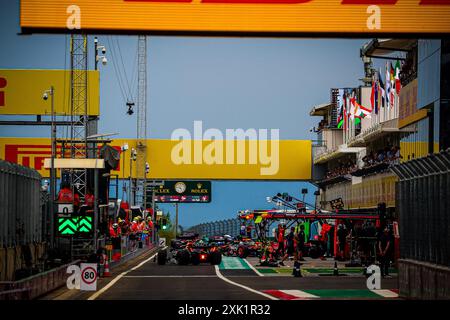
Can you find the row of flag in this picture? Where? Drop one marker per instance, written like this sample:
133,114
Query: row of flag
383,95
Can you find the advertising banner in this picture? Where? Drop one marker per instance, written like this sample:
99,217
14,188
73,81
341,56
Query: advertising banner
238,16
189,159
22,92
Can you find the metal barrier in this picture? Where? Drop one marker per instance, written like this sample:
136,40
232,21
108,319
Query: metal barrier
23,219
20,212
423,202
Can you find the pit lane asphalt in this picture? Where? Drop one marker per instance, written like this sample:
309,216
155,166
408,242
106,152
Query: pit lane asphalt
151,281
174,282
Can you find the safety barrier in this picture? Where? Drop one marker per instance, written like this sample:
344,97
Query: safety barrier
14,258
23,226
423,205
423,202
35,286
20,212
421,280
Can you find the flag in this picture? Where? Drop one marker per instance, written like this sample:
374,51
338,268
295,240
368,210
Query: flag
398,85
392,98
388,86
372,94
359,111
382,90
345,111
340,108
392,76
376,97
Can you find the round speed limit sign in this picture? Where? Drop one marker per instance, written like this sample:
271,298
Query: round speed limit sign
88,277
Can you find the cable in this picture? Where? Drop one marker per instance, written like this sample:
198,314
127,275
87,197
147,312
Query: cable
117,73
134,74
123,66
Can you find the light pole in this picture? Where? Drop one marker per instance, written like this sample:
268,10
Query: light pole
176,219
124,148
97,56
304,192
155,238
317,194
52,166
133,157
147,170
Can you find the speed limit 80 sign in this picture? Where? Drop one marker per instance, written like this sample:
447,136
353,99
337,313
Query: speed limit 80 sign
83,277
88,277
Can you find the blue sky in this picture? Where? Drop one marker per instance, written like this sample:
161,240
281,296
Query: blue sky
225,82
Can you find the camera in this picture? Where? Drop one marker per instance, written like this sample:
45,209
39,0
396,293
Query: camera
104,61
45,96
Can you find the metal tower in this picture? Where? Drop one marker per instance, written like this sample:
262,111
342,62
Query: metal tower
78,104
80,248
141,120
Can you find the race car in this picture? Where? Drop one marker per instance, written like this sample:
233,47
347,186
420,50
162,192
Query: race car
242,248
190,251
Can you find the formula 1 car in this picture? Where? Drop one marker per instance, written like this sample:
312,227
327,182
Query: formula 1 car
195,251
243,248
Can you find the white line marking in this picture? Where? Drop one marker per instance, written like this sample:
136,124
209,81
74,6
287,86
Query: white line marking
241,285
109,285
299,294
172,276
386,293
253,268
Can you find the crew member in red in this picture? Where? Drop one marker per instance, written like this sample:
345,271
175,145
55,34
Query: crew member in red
280,239
66,195
89,198
114,230
324,239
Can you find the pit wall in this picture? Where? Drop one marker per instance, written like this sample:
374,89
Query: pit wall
422,280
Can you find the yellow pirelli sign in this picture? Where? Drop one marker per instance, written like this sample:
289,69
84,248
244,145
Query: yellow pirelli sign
188,159
21,92
238,16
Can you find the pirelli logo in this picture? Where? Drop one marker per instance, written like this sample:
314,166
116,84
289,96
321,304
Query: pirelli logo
33,155
28,155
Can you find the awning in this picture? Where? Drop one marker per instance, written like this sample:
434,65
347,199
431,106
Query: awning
320,109
383,48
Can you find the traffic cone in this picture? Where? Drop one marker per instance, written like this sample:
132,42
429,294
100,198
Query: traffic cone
106,273
335,271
